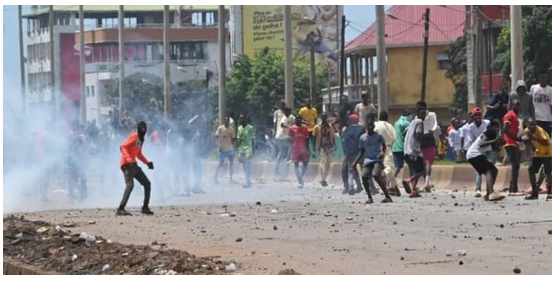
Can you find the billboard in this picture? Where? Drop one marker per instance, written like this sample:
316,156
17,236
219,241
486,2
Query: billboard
312,25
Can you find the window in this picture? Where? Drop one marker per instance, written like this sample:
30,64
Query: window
92,91
443,60
87,91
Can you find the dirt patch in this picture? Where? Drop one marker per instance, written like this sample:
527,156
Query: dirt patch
55,249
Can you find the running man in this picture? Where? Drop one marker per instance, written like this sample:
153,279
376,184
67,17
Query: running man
246,135
225,136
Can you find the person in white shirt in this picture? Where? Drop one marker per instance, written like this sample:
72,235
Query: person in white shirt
283,141
542,101
455,141
465,140
364,108
477,158
475,129
276,117
428,142
387,131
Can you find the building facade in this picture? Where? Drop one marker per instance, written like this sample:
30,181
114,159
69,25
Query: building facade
194,49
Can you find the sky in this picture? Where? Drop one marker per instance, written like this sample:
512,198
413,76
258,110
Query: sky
360,17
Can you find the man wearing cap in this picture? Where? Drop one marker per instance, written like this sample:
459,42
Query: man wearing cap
350,140
475,129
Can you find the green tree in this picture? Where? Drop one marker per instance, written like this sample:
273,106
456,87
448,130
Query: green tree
537,40
255,85
457,73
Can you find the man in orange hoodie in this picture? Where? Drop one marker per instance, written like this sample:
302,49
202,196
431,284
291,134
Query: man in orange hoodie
130,149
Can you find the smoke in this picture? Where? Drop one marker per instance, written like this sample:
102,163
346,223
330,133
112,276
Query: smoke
37,148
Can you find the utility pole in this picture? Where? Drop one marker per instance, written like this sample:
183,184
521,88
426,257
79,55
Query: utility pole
313,74
342,63
424,65
490,55
478,57
82,70
167,58
22,61
222,62
52,61
289,60
382,61
121,61
516,42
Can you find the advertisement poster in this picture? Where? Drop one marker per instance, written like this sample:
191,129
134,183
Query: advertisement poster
312,25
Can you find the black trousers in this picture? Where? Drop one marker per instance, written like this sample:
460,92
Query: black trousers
132,171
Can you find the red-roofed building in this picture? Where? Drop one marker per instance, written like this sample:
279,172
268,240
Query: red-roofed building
404,28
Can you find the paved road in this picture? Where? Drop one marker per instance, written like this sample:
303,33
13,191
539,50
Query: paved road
320,231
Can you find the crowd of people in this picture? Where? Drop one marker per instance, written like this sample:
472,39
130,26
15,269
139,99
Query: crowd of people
375,151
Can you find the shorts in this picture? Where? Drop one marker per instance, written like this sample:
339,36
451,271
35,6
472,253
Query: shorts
244,156
537,162
481,164
226,154
299,156
398,159
373,169
429,153
416,164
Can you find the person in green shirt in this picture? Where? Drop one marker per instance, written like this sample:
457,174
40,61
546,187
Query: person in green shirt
246,135
401,125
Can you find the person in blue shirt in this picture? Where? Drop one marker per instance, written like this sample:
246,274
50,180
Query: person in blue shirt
372,149
349,140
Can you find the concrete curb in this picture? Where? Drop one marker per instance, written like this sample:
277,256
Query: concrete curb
461,176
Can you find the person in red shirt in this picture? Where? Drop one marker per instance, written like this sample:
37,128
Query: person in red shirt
131,148
511,137
299,150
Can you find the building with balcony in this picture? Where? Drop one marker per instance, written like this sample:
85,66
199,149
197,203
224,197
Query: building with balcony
194,49
404,29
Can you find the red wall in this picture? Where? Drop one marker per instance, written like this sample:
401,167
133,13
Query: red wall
70,68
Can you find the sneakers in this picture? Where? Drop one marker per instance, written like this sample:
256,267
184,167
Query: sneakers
369,201
427,189
387,200
346,191
324,183
406,185
531,197
122,212
246,185
477,193
146,211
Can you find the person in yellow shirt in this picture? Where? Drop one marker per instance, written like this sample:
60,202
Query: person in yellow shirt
309,114
226,136
542,156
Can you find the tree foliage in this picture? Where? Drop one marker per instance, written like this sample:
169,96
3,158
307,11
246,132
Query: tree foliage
255,85
537,40
457,73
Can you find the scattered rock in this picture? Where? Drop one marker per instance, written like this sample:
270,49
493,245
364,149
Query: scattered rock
258,203
105,267
154,242
42,230
461,252
91,222
239,239
230,267
517,270
74,257
274,211
275,228
461,262
550,232
349,218
288,272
